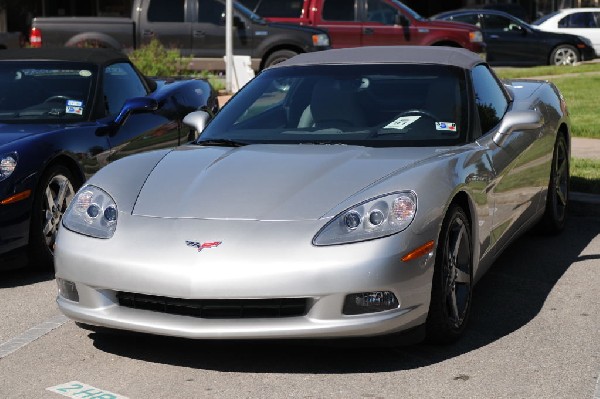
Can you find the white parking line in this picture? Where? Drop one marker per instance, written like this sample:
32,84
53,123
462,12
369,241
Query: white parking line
597,393
31,335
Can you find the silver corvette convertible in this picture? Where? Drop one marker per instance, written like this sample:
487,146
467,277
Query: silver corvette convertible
346,193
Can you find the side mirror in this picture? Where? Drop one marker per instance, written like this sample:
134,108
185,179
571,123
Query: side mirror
136,104
197,120
517,120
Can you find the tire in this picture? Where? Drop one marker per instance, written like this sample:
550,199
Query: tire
55,191
452,284
557,199
279,56
564,54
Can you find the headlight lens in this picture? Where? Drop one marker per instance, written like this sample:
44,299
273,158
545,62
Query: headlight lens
8,163
375,218
320,39
92,212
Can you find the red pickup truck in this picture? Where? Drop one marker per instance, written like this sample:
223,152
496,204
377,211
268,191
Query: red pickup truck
353,23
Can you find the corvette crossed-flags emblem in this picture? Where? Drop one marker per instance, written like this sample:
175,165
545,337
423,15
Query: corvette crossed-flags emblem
204,245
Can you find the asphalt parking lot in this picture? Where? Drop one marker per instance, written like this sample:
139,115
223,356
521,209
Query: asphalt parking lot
533,333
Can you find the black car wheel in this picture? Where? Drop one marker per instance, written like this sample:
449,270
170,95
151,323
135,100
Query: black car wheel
54,194
564,55
452,283
558,189
279,56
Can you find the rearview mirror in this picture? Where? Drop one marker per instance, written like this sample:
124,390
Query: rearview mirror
517,120
136,104
197,120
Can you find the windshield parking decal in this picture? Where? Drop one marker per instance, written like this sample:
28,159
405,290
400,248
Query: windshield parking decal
402,122
445,126
74,107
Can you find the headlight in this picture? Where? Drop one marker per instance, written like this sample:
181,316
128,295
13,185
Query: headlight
8,163
92,212
321,39
475,37
375,218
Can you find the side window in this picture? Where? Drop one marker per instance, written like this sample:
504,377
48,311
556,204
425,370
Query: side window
468,19
489,97
121,82
166,11
578,20
498,23
378,11
339,10
280,9
211,11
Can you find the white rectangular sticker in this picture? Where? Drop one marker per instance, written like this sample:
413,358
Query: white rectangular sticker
75,103
402,122
447,126
76,389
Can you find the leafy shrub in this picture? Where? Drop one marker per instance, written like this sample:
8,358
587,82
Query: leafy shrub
154,59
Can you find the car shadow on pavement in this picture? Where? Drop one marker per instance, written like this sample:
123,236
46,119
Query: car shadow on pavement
23,277
508,297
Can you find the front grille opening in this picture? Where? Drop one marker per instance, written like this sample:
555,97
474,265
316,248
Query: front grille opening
216,308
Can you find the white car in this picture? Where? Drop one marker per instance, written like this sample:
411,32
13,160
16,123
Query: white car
577,21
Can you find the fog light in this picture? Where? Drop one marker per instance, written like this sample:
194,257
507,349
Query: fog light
370,302
67,289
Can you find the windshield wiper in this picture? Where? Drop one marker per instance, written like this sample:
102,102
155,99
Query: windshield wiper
221,143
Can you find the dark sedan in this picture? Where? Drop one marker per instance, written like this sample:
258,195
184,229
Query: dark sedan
65,113
511,41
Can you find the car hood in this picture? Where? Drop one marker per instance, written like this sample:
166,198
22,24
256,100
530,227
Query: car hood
12,132
266,182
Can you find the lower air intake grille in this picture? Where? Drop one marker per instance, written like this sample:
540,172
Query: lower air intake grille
216,308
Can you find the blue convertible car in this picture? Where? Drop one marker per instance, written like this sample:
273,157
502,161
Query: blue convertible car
64,114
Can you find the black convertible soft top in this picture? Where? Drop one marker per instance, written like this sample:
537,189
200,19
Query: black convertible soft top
458,57
98,56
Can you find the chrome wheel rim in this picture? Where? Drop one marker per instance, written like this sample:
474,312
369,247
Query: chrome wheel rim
55,199
565,56
457,273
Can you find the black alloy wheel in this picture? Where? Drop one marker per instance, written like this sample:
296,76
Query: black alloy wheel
452,283
557,198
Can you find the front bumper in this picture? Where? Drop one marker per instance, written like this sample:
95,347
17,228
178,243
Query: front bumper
256,260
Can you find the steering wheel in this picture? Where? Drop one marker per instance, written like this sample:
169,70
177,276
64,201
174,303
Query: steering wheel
56,98
420,112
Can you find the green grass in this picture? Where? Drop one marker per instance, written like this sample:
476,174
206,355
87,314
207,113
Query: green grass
579,85
585,175
546,71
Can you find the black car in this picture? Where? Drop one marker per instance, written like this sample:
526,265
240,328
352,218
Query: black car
65,113
511,41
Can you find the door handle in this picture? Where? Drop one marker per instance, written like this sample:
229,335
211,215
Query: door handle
147,33
199,33
368,31
494,36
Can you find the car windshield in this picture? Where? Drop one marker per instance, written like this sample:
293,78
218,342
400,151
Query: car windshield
386,105
36,92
